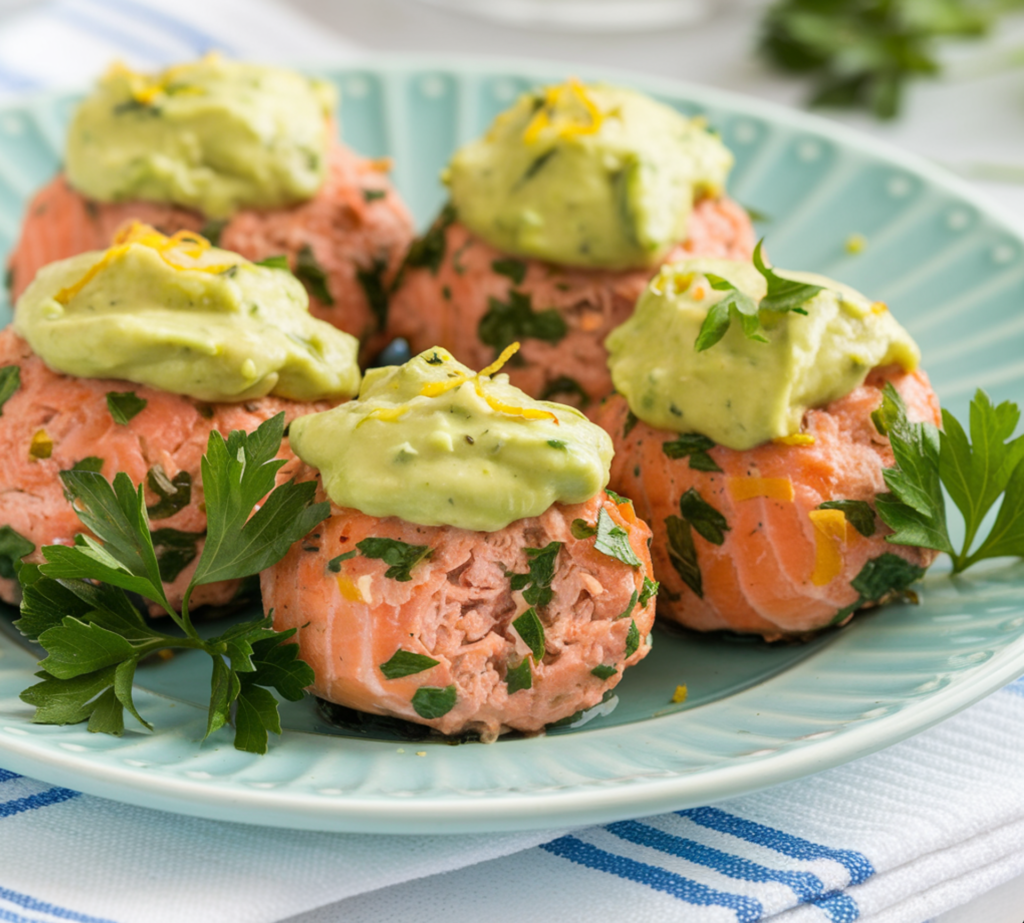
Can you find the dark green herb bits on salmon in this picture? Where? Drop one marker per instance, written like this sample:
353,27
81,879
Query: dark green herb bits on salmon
567,386
371,280
400,557
519,676
334,565
650,589
630,606
631,420
511,267
309,271
530,628
886,575
275,262
632,639
372,195
13,547
508,321
10,381
709,523
582,529
175,550
124,405
536,585
682,553
693,446
212,231
427,252
618,498
858,514
613,540
604,671
173,494
406,663
434,701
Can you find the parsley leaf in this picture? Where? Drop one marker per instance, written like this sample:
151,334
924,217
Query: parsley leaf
400,557
515,319
371,280
783,294
603,671
511,267
650,589
696,515
613,540
406,663
705,519
582,529
631,420
174,493
278,261
89,463
630,606
519,676
124,405
433,701
880,577
10,381
632,639
13,547
857,512
536,585
695,447
334,565
311,274
212,231
530,628
93,634
427,252
563,384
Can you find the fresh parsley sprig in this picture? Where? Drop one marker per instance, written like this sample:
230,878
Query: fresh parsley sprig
77,606
976,472
782,296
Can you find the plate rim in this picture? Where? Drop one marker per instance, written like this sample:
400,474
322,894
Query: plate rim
461,813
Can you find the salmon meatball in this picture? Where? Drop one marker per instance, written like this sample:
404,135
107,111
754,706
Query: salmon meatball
780,540
463,630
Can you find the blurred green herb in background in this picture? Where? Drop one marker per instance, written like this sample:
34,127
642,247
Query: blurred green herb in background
861,53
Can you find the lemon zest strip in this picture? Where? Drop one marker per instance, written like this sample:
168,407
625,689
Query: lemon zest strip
830,533
571,126
753,487
795,439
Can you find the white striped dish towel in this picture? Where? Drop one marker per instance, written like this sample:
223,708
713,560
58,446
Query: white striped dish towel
896,837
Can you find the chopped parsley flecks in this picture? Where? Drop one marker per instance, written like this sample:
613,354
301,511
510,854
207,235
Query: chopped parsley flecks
427,252
613,540
334,565
406,663
630,606
530,628
278,261
632,639
371,280
858,514
309,271
13,547
563,384
519,677
693,446
89,463
650,589
536,584
582,529
434,701
400,557
515,319
886,575
511,267
173,494
124,405
10,382
604,671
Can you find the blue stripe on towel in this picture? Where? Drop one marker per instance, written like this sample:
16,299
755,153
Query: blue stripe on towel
6,775
28,902
40,800
196,39
1016,687
806,886
857,864
840,908
128,41
9,916
748,910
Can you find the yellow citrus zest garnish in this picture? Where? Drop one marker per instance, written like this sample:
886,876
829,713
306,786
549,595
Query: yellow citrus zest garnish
348,589
679,695
566,123
183,243
752,487
437,388
879,307
145,88
830,529
387,414
41,445
795,439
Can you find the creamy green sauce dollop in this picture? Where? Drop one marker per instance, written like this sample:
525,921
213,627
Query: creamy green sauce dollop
586,176
741,393
434,444
214,135
185,318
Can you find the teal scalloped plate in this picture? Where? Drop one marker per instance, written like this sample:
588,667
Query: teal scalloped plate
757,714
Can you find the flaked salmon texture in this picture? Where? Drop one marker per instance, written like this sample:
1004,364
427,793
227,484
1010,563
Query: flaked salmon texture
766,576
475,300
457,608
356,230
53,422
